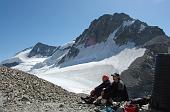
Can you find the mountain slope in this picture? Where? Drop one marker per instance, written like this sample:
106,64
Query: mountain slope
23,62
115,30
84,77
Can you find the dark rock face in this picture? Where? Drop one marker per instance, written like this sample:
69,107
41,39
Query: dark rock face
42,50
10,64
134,33
101,28
158,44
142,69
73,52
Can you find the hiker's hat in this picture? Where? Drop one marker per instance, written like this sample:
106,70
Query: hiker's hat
115,74
105,77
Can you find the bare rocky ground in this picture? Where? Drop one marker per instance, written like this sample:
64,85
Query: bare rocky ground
22,92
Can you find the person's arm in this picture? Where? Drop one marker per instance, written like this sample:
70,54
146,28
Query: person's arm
103,85
99,87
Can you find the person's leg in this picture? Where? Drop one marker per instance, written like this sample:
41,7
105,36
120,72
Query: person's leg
92,93
90,99
93,96
109,102
107,96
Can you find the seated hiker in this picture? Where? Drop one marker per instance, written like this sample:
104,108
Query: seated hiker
96,92
116,91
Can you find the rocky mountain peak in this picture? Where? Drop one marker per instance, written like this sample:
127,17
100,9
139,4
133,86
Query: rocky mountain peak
121,16
101,28
41,49
124,29
127,30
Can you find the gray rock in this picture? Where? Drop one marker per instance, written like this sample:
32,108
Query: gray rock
140,74
21,91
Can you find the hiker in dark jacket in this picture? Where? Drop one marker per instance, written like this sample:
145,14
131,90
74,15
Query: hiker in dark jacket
96,92
117,91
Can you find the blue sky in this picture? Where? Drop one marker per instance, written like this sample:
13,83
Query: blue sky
23,23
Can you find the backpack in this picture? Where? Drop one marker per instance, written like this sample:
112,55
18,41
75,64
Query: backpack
131,108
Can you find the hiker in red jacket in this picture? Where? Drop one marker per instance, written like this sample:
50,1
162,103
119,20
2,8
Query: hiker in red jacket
96,92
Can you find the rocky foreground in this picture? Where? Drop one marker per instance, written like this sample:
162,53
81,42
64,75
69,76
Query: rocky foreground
23,92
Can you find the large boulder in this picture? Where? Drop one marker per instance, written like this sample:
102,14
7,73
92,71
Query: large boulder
140,74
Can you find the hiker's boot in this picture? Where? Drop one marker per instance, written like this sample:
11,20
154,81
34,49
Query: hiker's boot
97,102
89,101
85,99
